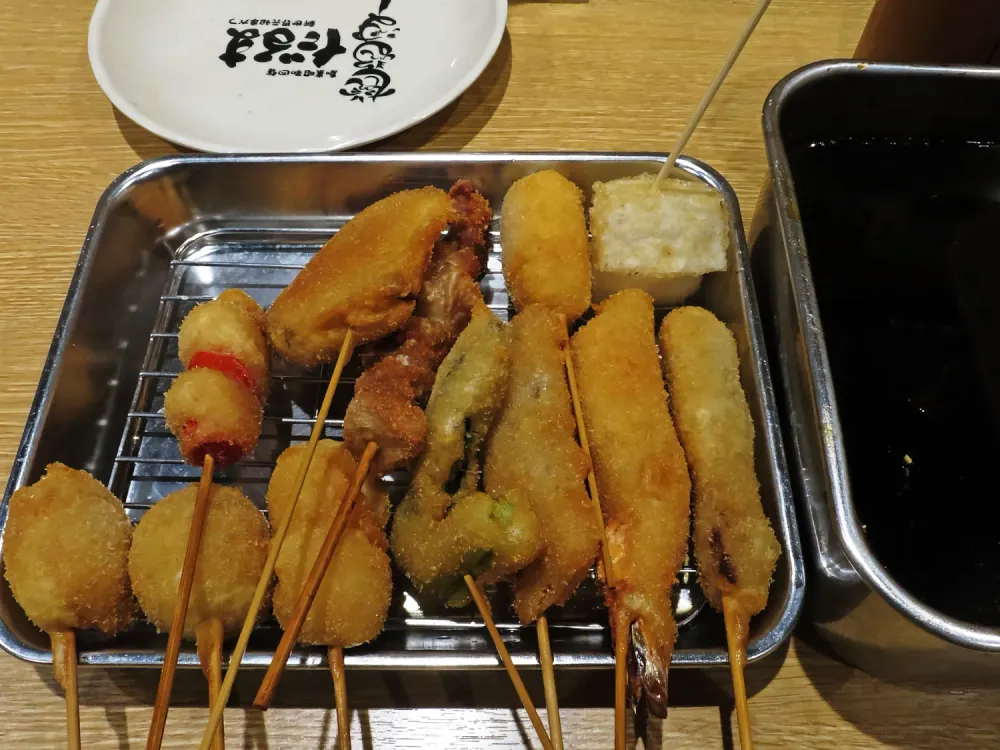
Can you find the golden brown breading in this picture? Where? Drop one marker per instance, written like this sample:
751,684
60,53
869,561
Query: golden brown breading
546,257
444,527
734,545
533,450
365,278
210,413
231,325
353,599
65,553
234,546
640,468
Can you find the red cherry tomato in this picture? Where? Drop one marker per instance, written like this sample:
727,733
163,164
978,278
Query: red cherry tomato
227,364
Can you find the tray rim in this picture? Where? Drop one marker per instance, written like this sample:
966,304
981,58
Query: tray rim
757,649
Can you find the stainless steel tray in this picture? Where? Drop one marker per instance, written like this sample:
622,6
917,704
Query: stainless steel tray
175,231
856,605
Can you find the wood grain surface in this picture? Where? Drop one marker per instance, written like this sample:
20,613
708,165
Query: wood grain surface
601,75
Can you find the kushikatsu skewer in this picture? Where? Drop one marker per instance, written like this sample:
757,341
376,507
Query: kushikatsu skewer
308,594
67,534
161,707
735,547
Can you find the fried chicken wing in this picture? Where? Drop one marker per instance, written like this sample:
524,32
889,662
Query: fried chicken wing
366,278
533,451
445,527
234,546
735,547
641,474
385,407
546,255
65,553
353,599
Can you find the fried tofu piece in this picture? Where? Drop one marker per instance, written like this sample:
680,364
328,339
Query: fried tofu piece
546,258
445,527
65,553
234,546
353,598
533,451
210,413
659,240
734,545
641,474
227,334
366,278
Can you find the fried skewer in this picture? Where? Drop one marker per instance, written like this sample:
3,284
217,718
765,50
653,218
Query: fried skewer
66,557
215,411
232,540
735,547
293,628
645,489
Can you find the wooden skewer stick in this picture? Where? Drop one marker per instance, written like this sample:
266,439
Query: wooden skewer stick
622,639
522,692
64,667
208,638
549,682
581,429
215,719
713,89
162,705
291,635
736,637
336,656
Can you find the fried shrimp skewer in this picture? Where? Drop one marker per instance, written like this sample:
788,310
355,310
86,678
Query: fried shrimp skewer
643,478
734,545
65,557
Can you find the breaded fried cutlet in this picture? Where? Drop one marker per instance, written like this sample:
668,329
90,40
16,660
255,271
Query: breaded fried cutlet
234,546
66,553
533,450
353,598
546,256
365,279
641,472
735,547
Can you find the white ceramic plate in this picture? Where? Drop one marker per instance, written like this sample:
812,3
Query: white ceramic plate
288,75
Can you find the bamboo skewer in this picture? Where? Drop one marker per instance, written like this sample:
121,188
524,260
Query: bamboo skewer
713,89
522,692
208,638
336,657
312,584
621,680
549,682
162,705
215,719
64,667
736,636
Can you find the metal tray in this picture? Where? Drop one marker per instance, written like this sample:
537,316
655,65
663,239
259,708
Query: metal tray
856,605
173,232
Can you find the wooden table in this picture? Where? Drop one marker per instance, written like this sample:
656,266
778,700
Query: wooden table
619,75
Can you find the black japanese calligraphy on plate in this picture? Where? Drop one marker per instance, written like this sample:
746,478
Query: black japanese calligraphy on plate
280,42
370,81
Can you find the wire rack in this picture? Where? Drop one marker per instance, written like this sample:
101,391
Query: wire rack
148,464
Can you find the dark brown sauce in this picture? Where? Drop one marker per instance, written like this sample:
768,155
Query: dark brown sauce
904,245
